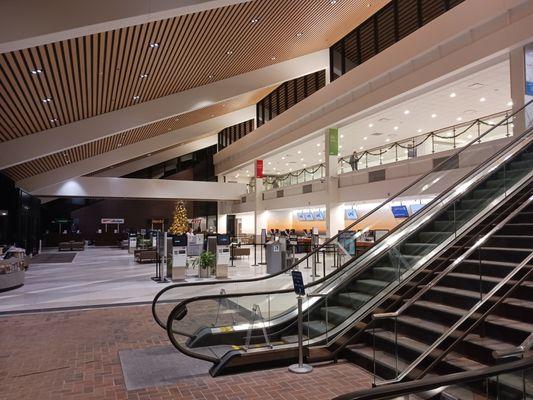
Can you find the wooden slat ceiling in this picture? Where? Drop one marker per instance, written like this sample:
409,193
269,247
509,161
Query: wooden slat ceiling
75,154
100,73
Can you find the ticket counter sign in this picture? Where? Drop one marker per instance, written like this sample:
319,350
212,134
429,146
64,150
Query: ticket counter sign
112,221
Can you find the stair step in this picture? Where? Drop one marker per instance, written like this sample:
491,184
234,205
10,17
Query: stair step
353,300
316,328
336,314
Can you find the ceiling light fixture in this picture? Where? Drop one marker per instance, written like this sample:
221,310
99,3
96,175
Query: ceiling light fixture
319,153
407,112
36,71
342,136
433,115
419,131
365,138
482,99
273,58
370,125
333,2
299,151
305,165
361,148
452,95
210,77
340,146
154,45
47,100
269,163
510,104
254,20
318,145
54,120
320,160
387,140
135,98
229,52
283,158
459,118
299,34
144,76
396,128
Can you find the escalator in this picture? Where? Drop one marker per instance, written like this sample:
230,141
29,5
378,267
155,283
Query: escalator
254,325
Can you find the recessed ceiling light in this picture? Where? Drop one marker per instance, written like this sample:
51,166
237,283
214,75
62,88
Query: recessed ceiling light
420,130
273,58
407,112
286,164
340,146
299,151
144,76
269,163
274,168
305,165
210,77
361,148
320,160
319,153
136,98
54,120
318,145
301,159
290,169
452,94
332,1
342,136
237,175
176,119
229,52
469,136
299,34
149,154
120,144
154,45
283,158
47,100
254,20
482,99
370,125
433,115
396,128
510,104
365,138
36,71
459,118
387,140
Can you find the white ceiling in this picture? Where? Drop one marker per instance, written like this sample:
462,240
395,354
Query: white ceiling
491,84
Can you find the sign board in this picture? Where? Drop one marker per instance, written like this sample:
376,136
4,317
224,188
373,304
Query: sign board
528,55
258,168
112,221
263,236
333,138
298,283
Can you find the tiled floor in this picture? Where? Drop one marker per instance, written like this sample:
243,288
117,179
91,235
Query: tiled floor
100,276
74,355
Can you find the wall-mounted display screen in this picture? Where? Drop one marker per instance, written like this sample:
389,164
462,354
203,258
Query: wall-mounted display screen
416,207
300,216
400,211
350,214
223,240
179,240
308,216
319,215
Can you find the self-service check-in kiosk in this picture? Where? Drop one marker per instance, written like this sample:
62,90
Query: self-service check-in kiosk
132,243
223,255
179,257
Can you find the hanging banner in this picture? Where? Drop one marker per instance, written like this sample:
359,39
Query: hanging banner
333,138
528,54
258,168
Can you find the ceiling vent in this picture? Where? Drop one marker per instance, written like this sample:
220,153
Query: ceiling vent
377,133
476,85
384,119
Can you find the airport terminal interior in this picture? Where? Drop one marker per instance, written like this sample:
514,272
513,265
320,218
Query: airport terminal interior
266,199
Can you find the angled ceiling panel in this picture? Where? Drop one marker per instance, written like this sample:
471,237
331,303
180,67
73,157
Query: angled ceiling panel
99,73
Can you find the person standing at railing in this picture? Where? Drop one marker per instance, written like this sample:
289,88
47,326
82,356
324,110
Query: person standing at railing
353,161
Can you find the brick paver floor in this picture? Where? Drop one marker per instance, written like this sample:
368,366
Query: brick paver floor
74,355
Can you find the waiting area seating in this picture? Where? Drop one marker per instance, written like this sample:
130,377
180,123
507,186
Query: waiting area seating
145,256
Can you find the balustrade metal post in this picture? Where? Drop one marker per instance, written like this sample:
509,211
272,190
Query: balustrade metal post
300,368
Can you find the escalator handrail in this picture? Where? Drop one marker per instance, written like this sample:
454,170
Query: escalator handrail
426,384
347,229
453,265
182,305
481,318
401,298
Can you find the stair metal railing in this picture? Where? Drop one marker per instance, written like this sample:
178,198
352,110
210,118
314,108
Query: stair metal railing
484,299
435,271
518,351
492,382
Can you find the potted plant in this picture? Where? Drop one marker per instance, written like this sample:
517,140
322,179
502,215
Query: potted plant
206,264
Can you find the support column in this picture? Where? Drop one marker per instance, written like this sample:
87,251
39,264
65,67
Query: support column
259,212
521,71
334,209
222,213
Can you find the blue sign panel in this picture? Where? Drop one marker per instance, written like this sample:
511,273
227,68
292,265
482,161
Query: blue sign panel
399,211
298,283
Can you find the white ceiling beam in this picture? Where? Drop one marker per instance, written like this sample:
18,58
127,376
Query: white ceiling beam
162,156
126,153
31,23
144,189
54,140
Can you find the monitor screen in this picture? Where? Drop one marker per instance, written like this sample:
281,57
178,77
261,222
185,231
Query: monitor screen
309,216
400,211
416,207
350,214
223,240
319,215
301,216
179,240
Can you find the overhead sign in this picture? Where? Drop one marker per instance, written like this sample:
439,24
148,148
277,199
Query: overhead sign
298,283
258,168
333,138
112,220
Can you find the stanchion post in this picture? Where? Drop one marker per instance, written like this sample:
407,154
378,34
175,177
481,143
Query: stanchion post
300,368
255,255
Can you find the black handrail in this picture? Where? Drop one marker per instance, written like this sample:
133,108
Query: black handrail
347,229
444,262
422,385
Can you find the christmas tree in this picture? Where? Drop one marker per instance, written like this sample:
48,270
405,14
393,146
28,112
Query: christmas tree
180,223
